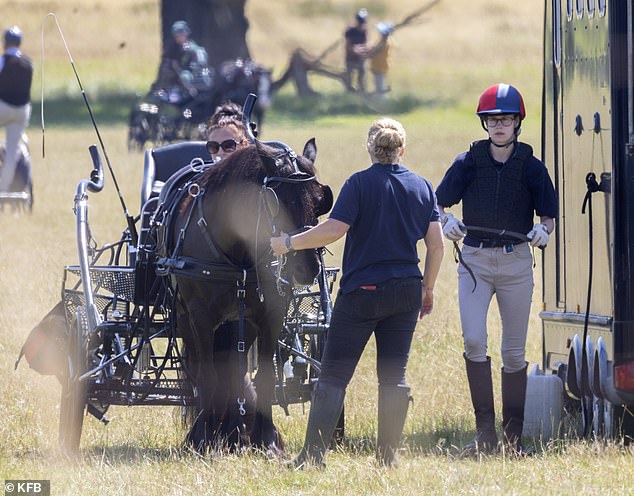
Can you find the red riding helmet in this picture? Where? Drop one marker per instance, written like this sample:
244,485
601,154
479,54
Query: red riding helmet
501,99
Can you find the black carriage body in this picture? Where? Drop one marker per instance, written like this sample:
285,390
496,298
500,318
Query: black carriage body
588,127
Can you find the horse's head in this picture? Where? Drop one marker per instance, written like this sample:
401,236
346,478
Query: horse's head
294,198
258,191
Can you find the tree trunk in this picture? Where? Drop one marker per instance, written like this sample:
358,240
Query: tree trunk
220,26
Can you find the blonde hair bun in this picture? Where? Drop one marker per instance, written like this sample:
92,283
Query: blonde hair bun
386,138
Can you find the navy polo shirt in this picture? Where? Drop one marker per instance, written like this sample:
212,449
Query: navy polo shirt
462,172
388,209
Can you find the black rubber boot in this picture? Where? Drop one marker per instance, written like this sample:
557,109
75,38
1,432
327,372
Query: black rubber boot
325,409
393,404
481,387
513,399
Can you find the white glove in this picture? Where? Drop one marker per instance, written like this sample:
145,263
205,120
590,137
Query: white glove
452,228
538,236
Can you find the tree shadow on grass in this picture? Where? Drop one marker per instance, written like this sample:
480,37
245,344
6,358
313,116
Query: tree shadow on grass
294,107
113,108
71,111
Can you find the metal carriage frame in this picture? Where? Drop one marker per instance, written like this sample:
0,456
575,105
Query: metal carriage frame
123,345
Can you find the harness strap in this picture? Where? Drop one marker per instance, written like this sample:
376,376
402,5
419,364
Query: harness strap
181,235
242,355
201,270
202,224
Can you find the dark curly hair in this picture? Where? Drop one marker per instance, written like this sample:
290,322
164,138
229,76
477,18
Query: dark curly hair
227,114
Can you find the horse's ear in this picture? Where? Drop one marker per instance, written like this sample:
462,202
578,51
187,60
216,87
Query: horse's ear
310,150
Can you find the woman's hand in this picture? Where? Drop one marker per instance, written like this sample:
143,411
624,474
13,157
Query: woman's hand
278,245
428,302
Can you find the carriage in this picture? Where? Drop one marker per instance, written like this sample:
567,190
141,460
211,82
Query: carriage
167,114
123,345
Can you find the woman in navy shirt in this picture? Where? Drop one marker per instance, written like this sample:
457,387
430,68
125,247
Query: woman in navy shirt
384,211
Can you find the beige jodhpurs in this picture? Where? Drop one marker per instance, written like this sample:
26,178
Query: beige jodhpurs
14,120
510,277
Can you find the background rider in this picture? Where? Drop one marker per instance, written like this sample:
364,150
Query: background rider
16,76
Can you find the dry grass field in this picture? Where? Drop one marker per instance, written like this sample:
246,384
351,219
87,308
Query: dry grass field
444,62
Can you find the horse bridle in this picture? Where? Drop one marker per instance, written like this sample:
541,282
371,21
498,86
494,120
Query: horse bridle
296,177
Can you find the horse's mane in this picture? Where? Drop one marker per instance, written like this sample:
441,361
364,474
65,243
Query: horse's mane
248,165
244,165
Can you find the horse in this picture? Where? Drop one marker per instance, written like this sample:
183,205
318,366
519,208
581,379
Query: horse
220,262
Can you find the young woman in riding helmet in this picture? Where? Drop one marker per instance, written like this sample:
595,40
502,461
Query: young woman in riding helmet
501,186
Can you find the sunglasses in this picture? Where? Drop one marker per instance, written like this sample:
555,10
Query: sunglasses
229,145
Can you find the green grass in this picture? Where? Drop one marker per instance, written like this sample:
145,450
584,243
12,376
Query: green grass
438,73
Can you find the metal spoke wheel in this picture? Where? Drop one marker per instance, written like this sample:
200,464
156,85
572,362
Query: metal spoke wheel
73,400
599,427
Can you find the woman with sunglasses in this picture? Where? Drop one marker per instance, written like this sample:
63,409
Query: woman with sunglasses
501,186
226,131
384,211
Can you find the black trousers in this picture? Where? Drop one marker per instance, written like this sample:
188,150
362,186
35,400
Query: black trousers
390,312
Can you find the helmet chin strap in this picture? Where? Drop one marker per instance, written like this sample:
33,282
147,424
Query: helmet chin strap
512,142
505,145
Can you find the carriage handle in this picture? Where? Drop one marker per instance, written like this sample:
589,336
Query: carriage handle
247,110
94,184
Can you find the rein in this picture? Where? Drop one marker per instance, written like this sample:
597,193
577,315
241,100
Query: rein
500,233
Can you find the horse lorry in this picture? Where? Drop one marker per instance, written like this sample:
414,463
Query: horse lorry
588,267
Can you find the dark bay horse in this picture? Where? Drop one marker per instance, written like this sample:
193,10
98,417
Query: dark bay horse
224,272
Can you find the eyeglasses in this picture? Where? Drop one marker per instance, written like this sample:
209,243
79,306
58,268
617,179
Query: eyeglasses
495,121
229,145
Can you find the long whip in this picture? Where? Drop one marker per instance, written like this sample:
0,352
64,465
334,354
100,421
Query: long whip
128,217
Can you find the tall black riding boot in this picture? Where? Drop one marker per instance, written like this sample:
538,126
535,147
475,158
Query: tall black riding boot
393,405
513,399
481,387
325,409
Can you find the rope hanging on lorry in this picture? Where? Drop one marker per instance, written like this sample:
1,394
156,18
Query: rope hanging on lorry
592,187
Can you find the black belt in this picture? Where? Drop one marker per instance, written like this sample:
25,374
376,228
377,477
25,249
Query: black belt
490,243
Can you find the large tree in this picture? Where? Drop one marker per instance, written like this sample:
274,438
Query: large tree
218,25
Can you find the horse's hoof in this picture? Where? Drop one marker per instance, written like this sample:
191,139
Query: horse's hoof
275,453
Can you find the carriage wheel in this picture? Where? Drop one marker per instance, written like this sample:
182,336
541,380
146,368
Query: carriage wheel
73,400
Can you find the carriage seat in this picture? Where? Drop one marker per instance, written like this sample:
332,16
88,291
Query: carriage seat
160,163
